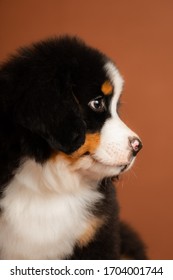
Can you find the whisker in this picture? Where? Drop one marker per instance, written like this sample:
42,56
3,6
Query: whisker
133,172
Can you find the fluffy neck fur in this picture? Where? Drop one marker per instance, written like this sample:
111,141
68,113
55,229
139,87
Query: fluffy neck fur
46,208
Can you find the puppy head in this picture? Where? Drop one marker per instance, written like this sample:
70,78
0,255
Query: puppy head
68,93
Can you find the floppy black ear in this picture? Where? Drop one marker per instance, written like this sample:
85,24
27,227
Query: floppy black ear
55,117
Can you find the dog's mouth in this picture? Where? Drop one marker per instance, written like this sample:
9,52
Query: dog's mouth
98,168
122,166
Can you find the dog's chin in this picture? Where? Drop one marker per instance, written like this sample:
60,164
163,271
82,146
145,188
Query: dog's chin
95,169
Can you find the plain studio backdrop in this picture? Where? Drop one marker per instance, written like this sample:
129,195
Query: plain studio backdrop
138,36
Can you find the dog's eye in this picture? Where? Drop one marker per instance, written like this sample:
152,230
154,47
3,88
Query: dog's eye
97,104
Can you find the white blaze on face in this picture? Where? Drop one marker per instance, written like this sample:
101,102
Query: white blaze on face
114,148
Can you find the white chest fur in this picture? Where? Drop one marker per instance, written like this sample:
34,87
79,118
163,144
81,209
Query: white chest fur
45,210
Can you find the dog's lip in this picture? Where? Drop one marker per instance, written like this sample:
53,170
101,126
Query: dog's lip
122,166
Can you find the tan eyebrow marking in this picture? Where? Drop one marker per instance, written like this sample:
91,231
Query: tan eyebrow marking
107,88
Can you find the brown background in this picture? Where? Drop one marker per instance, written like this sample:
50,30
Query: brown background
138,35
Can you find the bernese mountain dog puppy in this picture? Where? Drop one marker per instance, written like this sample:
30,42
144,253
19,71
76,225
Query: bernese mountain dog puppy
61,143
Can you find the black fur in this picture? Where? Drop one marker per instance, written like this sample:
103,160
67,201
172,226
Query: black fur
132,246
44,92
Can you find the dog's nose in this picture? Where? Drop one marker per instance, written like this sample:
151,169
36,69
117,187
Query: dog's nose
135,144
